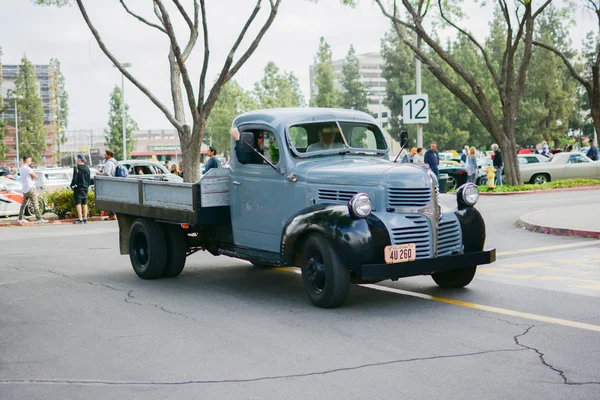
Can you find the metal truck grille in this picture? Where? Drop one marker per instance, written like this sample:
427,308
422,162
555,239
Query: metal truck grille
336,195
408,198
417,234
449,236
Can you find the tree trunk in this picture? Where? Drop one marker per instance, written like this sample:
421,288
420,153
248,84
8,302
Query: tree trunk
509,147
191,148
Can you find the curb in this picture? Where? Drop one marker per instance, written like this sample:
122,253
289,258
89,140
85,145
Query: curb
540,191
549,230
52,222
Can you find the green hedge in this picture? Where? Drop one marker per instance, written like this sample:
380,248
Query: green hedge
61,203
568,183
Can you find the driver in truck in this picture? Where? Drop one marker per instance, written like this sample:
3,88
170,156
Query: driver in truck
326,140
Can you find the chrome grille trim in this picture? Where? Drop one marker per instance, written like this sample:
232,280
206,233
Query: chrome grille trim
408,198
332,195
417,234
449,237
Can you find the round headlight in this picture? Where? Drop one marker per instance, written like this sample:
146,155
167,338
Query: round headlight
360,205
469,194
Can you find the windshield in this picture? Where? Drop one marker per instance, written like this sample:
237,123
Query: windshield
332,137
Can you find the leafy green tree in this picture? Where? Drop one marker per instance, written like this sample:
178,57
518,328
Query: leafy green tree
278,89
60,102
354,95
550,95
233,100
114,133
32,132
328,95
3,128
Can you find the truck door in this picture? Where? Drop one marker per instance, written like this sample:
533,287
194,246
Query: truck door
258,203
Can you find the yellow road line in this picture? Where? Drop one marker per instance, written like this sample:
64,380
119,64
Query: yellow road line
496,310
546,248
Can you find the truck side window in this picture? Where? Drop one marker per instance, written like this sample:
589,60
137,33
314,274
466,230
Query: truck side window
266,143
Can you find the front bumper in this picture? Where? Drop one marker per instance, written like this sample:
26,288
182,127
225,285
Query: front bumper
426,266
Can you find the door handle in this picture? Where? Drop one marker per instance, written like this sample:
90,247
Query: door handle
236,183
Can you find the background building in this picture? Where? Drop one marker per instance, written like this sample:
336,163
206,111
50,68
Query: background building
152,144
46,75
370,69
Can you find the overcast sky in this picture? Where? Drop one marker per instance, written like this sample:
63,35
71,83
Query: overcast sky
43,33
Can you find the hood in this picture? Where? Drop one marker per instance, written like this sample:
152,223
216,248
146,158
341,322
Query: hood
360,171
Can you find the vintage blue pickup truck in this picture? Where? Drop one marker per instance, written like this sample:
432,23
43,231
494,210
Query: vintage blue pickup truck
309,188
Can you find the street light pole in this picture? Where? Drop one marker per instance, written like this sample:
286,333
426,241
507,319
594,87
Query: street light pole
17,131
124,117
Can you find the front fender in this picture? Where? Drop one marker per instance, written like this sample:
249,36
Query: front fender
473,229
357,241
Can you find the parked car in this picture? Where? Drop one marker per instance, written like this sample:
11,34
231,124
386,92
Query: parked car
561,166
51,179
457,174
145,169
11,184
531,159
11,200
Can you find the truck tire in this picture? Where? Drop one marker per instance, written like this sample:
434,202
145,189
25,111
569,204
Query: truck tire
147,249
326,279
457,278
177,248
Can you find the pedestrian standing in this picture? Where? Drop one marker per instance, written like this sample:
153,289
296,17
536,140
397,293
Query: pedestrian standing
212,162
498,165
109,169
465,155
592,153
28,189
418,158
472,165
432,158
80,185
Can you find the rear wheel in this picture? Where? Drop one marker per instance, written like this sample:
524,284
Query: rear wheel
457,278
451,183
147,249
30,211
540,179
326,279
177,248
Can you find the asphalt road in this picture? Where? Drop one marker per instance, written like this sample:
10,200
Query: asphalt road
76,323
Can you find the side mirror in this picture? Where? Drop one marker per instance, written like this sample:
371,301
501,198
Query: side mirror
247,137
403,139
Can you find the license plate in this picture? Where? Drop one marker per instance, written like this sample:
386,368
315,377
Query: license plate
400,253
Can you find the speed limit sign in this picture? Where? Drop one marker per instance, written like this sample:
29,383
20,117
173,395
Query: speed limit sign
415,109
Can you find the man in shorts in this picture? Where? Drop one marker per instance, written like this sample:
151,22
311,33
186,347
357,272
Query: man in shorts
80,185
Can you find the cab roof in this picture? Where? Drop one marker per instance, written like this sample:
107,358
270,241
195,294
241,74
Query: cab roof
275,116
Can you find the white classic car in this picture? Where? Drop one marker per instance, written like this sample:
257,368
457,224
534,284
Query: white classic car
562,166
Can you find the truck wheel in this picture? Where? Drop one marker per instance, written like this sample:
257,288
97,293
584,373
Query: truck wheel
457,278
326,279
147,249
177,248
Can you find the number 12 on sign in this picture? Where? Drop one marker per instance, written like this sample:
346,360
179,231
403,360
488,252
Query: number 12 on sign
415,109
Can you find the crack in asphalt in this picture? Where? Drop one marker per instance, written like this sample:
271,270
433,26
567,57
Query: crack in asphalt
503,320
542,357
249,380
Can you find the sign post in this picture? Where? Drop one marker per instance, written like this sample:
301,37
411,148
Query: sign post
415,109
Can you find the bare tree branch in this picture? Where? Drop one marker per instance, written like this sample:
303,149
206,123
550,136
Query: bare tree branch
124,71
394,18
488,63
145,21
227,73
527,53
541,9
184,14
257,39
438,72
187,84
206,56
567,63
